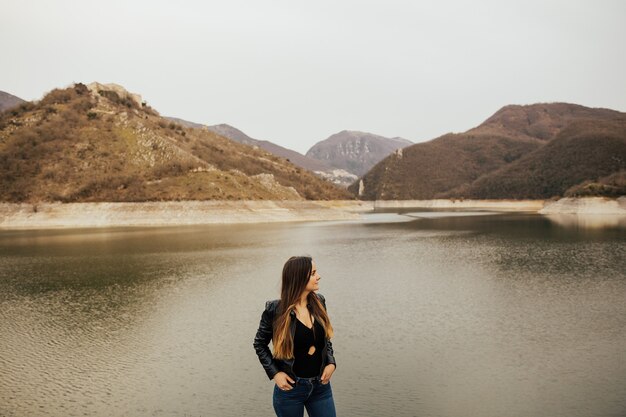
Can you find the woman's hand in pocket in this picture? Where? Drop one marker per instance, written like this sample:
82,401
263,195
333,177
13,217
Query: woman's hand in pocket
327,373
283,381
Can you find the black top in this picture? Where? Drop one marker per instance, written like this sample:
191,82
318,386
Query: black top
263,338
306,365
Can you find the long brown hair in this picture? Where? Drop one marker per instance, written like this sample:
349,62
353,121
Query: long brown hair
296,274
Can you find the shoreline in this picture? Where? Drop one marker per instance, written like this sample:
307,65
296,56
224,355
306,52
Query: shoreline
495,205
26,216
582,206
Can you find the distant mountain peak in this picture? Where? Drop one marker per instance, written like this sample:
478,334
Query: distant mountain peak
541,120
9,101
355,151
233,133
226,126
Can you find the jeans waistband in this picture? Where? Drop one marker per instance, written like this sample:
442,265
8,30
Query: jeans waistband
310,380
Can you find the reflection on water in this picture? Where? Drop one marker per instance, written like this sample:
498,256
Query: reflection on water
589,221
441,214
447,314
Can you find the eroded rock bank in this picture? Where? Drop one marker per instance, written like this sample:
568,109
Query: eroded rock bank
492,205
173,213
580,206
588,205
77,215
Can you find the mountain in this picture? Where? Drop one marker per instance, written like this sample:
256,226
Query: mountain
534,151
338,177
102,143
293,156
8,101
542,121
237,135
585,151
186,123
353,151
335,173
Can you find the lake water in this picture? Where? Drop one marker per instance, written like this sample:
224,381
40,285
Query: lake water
435,314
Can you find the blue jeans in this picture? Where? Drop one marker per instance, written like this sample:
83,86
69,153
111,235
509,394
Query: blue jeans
307,392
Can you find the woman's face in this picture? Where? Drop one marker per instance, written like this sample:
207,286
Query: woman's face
313,284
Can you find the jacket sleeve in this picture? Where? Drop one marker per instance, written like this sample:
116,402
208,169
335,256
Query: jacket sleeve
330,357
262,341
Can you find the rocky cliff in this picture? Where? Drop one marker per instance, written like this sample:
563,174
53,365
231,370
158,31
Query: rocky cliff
355,152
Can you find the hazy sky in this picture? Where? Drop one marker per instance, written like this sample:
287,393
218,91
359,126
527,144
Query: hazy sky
295,72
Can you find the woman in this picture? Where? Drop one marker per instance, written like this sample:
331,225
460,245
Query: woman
300,330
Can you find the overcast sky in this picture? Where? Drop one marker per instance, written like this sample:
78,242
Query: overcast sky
295,72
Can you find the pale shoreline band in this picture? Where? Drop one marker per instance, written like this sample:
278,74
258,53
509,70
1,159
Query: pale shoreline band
173,213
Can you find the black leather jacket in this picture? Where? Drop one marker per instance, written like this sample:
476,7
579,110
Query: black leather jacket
264,335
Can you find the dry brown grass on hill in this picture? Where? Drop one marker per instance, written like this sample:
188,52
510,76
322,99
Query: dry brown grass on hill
542,121
612,186
583,152
536,151
75,145
427,169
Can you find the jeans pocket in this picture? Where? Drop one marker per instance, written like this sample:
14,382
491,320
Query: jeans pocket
324,387
279,390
